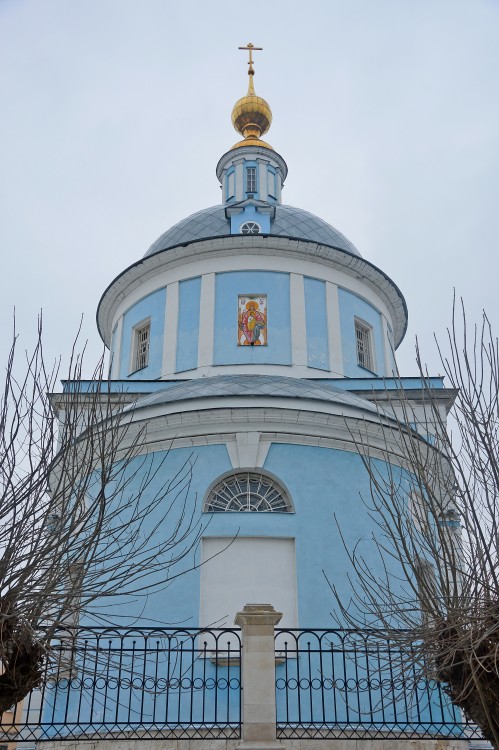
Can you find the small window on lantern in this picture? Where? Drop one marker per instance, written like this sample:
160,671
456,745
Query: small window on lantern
251,180
250,227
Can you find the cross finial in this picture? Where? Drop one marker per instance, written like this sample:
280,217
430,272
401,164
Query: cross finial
251,48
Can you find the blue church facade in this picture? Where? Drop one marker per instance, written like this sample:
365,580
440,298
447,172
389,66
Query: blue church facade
253,333
254,341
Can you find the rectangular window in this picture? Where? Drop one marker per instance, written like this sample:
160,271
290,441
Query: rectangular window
363,341
251,179
141,341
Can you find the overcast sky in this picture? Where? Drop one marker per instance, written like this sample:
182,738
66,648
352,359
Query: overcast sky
115,113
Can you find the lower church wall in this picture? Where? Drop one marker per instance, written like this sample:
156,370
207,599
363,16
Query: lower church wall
325,486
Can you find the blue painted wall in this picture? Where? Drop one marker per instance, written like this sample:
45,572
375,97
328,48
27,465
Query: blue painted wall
153,307
352,306
322,482
227,288
189,293
250,213
316,322
346,384
180,603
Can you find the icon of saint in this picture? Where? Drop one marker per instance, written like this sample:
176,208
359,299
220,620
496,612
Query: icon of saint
252,324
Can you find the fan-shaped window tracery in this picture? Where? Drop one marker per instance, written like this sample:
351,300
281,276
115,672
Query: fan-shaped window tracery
248,491
250,227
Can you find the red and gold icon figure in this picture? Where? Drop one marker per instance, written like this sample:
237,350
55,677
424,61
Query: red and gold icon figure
252,321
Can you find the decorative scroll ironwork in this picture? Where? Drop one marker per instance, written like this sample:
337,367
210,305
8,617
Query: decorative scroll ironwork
135,684
355,684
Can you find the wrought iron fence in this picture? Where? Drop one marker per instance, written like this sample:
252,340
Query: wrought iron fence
354,684
186,684
147,683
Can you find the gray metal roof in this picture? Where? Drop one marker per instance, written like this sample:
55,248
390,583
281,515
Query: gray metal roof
250,386
288,222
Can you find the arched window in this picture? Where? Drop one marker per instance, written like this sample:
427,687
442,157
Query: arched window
250,227
247,491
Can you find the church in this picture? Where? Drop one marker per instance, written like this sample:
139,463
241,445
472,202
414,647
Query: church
255,341
253,335
252,332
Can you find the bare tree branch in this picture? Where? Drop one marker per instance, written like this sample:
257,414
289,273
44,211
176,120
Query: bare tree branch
434,504
81,518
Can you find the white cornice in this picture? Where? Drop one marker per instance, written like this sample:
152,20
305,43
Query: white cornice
219,423
236,154
260,245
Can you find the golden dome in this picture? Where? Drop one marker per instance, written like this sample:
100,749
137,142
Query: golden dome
251,115
252,142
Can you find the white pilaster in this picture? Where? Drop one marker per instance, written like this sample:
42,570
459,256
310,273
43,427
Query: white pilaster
278,174
389,356
114,372
298,325
239,167
206,320
334,330
262,179
171,323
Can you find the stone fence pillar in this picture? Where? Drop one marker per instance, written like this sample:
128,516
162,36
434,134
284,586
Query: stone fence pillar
257,622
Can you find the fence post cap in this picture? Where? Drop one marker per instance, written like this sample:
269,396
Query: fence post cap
261,614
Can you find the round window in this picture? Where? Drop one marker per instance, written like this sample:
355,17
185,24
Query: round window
248,491
250,227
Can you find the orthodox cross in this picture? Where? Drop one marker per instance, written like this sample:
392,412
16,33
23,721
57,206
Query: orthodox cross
251,48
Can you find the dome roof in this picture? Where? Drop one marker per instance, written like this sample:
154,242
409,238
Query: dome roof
288,222
244,386
251,116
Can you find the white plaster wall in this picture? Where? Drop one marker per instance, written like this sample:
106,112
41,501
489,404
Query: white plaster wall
240,571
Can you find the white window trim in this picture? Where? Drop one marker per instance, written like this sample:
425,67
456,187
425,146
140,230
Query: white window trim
366,328
255,191
134,351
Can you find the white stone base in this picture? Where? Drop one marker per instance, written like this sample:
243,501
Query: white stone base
226,744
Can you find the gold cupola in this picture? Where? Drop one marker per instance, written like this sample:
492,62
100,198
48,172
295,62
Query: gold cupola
251,115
